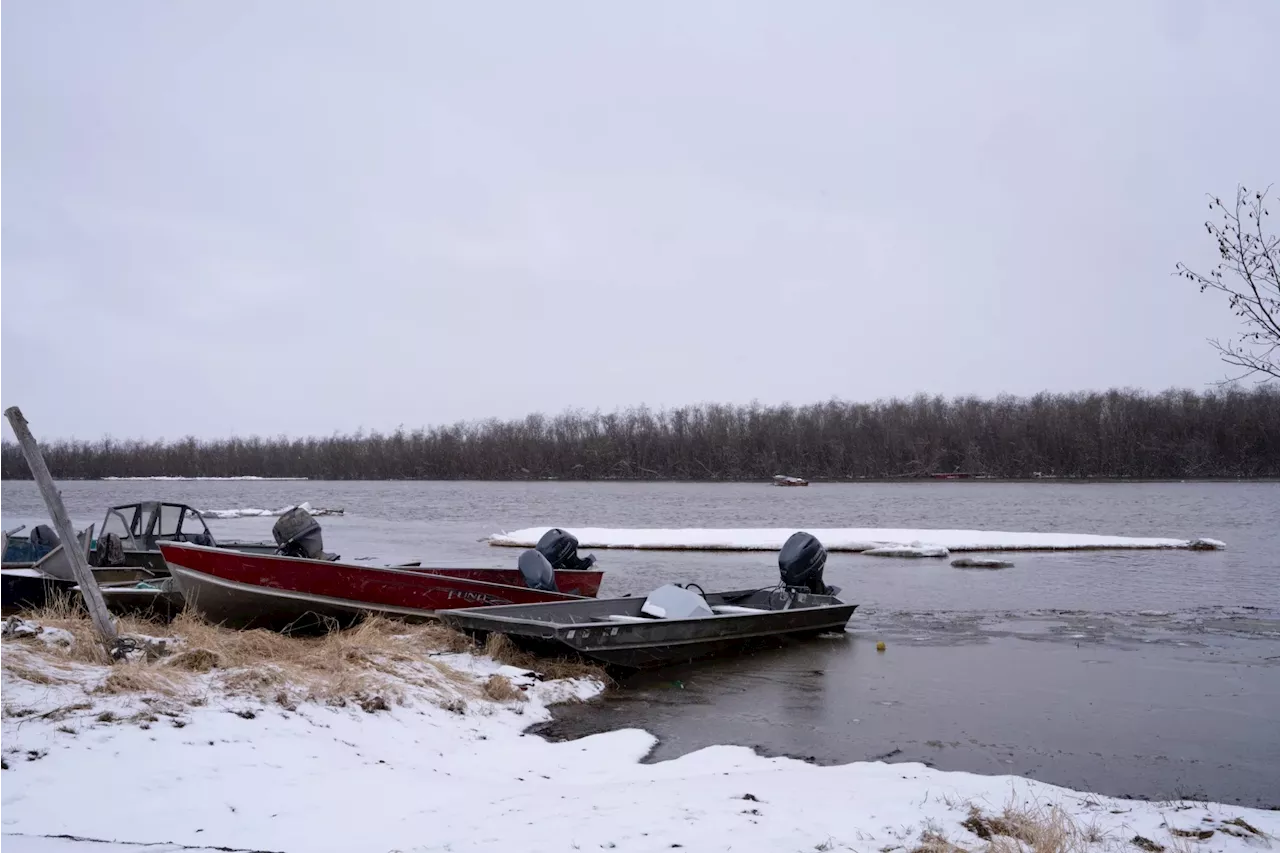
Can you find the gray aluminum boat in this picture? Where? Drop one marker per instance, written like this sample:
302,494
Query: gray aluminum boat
158,598
632,633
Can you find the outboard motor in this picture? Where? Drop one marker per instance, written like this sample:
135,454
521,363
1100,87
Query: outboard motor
110,550
537,572
297,534
43,539
800,563
561,550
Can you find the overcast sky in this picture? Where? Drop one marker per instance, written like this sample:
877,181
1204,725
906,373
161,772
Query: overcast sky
310,216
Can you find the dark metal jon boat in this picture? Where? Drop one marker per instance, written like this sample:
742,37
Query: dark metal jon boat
616,631
675,624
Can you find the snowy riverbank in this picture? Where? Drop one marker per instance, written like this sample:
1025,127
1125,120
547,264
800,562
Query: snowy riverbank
843,539
435,759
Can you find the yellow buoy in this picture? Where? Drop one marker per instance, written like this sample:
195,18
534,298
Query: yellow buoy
880,646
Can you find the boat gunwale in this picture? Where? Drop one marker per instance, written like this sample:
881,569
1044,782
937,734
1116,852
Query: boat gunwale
406,572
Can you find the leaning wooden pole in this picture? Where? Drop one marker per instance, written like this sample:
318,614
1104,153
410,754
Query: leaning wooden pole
62,524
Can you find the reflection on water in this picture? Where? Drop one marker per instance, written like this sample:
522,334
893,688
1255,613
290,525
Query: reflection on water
1151,673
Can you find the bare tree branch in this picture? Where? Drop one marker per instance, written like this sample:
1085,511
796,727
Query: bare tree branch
1248,272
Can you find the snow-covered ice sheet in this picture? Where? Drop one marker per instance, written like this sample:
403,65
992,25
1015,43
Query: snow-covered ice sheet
185,479
840,539
250,512
915,549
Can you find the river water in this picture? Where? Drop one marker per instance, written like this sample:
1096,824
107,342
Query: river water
1151,673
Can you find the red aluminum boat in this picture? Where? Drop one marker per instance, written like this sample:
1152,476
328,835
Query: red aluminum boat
243,590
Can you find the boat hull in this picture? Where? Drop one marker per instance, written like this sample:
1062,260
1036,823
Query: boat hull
26,588
586,629
156,599
243,590
160,598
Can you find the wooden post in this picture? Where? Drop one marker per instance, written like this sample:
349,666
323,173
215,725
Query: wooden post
62,524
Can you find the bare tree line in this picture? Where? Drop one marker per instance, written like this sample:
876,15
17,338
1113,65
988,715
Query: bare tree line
1221,433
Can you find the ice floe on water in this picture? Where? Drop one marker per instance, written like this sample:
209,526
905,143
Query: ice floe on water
442,764
268,513
206,479
981,563
864,539
915,549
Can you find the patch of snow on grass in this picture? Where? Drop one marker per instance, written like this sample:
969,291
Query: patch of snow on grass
16,626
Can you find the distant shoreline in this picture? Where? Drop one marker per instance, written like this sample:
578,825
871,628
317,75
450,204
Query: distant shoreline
250,479
1118,434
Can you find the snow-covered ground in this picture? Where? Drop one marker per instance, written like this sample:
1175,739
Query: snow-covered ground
841,539
250,512
231,772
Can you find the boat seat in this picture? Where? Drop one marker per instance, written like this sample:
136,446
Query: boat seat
719,609
675,602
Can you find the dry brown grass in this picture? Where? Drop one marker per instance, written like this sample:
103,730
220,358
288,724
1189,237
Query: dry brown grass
500,648
1241,823
143,678
1020,828
933,841
35,676
500,689
66,611
367,664
371,665
195,660
60,604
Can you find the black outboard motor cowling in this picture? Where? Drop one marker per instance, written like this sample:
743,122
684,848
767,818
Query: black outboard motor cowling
561,550
800,563
44,539
537,572
297,534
